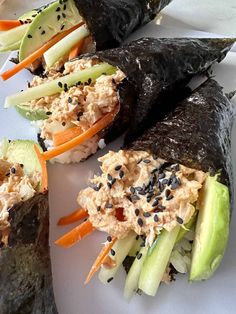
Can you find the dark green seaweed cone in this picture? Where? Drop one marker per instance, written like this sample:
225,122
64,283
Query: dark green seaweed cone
25,271
196,134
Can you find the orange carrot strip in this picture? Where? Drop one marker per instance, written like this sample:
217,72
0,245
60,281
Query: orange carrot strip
97,127
5,25
75,216
100,259
75,51
65,136
44,186
38,53
75,234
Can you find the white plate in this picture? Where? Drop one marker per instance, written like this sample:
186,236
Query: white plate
70,267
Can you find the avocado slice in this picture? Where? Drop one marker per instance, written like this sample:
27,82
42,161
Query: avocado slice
212,229
22,152
32,115
51,20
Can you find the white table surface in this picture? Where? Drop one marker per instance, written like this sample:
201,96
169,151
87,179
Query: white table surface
212,16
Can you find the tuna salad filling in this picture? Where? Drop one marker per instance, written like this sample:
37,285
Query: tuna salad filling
80,106
139,192
15,187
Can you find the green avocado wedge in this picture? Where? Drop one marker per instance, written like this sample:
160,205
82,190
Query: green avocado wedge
32,115
51,20
212,230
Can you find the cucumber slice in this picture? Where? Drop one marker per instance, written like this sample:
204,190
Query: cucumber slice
10,40
121,248
52,87
155,263
131,283
136,247
32,115
53,19
212,230
52,55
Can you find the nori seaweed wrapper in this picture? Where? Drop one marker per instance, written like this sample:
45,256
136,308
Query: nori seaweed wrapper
157,70
111,21
25,269
197,134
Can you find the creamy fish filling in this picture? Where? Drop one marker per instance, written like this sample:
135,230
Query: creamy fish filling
81,105
15,186
137,191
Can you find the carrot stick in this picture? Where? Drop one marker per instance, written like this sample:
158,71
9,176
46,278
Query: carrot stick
75,51
75,234
100,259
44,186
97,127
5,25
65,136
38,53
75,216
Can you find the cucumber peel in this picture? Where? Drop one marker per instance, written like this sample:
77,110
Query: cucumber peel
52,55
212,229
11,40
52,87
155,263
121,248
32,115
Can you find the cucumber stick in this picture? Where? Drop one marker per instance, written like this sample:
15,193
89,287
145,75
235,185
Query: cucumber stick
132,279
136,247
56,86
188,227
121,248
32,115
11,40
155,264
52,55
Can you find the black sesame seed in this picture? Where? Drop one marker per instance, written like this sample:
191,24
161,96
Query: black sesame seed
69,100
179,220
98,208
109,185
113,181
34,15
65,87
169,181
109,280
154,170
109,238
63,123
142,192
140,222
29,36
113,253
60,84
89,81
132,190
108,205
8,174
155,218
146,215
139,256
64,15
139,161
161,187
97,187
117,168
40,27
136,211
61,1
139,188
176,167
121,174
137,237
109,177
22,166
161,176
161,208
48,113
58,17
155,203
164,181
167,192
43,32
169,197
175,185
64,8
58,9
13,170
135,198
147,161
62,27
22,22
142,244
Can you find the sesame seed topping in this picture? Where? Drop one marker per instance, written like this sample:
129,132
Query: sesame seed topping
58,9
155,203
64,8
62,27
29,36
89,81
109,177
142,192
60,84
140,222
13,170
64,15
142,244
135,198
121,174
109,238
65,87
155,218
161,176
43,32
109,280
164,181
63,123
146,215
108,205
179,220
58,17
109,185
22,166
138,162
137,237
147,161
117,168
40,27
132,190
169,197
113,181
69,100
113,253
136,211
98,208
48,113
154,170
139,256
97,187
167,192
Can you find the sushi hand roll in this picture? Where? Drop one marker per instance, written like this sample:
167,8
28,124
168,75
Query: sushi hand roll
96,97
25,269
150,193
63,29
